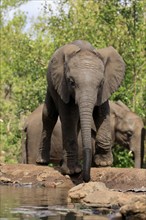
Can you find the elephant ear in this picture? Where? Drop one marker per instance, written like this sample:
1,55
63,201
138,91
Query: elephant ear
114,73
57,69
117,110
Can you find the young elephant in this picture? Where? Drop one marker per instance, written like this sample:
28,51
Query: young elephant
80,81
128,130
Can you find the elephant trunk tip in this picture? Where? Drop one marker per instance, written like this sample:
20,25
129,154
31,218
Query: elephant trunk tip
87,155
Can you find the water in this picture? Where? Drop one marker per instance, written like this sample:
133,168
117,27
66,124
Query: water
40,203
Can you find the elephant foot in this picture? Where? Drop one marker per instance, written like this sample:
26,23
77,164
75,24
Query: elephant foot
42,161
73,169
103,158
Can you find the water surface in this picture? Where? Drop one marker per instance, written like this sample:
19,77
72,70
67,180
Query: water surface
40,203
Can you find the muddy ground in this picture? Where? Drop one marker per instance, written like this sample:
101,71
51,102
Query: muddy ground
124,179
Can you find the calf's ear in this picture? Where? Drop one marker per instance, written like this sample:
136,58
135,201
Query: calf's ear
57,69
114,73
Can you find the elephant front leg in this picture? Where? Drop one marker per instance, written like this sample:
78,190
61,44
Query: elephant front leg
70,164
103,145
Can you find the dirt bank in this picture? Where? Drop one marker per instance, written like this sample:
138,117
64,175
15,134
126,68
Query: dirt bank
124,179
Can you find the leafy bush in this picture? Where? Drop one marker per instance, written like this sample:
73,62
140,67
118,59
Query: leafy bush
122,157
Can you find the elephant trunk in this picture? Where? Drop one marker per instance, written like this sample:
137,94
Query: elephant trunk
139,150
86,109
138,159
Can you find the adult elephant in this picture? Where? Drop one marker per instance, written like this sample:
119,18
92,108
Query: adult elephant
80,81
128,130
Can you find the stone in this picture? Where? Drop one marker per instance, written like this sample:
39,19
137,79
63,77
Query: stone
135,208
96,194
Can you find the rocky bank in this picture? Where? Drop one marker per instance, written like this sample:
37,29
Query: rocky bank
122,190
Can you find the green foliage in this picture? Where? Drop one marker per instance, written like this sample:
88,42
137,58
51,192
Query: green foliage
5,4
23,81
24,56
10,133
122,157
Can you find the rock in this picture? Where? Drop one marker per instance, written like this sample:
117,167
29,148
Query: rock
135,208
5,180
96,194
81,191
122,179
96,217
27,174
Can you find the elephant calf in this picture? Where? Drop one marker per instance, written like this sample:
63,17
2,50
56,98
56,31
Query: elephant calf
127,130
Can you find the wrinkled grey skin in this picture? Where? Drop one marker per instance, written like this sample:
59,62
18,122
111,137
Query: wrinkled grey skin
127,130
80,81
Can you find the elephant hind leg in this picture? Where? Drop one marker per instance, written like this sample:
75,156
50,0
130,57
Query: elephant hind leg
49,119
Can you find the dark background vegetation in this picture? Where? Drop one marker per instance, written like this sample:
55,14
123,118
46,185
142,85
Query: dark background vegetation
24,57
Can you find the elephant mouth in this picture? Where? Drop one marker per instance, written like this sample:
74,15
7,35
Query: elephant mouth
124,142
126,145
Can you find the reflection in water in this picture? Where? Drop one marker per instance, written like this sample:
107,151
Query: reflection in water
27,203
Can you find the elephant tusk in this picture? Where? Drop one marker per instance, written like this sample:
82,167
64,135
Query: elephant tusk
130,153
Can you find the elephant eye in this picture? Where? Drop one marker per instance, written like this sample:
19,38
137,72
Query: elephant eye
71,82
101,84
129,133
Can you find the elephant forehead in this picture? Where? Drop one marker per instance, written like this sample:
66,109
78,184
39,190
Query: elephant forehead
86,59
134,120
86,76
134,124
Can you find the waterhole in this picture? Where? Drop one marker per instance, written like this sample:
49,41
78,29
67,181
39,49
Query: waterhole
42,203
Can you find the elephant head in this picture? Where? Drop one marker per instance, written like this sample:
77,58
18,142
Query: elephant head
88,76
128,130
